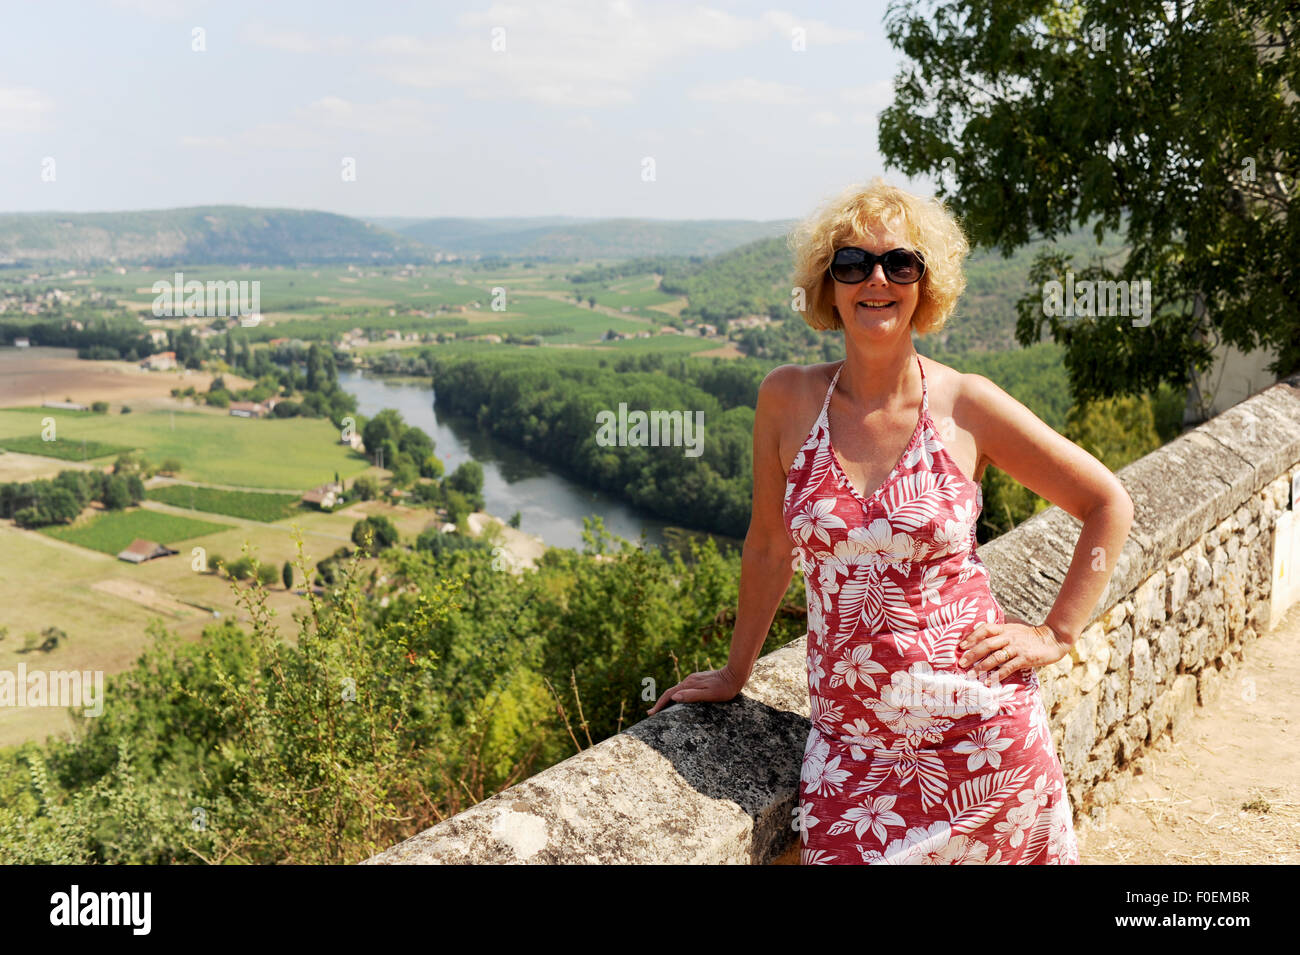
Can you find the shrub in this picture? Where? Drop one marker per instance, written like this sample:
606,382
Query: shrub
100,407
374,534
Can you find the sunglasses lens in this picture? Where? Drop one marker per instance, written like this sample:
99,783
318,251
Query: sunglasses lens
903,267
848,266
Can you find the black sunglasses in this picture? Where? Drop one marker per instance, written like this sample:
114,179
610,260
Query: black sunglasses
852,265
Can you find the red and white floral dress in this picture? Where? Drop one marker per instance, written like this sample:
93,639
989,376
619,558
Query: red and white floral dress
911,759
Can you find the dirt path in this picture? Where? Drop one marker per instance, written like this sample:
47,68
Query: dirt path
1229,791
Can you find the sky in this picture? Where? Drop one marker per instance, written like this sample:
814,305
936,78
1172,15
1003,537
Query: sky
592,108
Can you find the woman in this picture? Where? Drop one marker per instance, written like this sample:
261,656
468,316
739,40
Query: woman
929,740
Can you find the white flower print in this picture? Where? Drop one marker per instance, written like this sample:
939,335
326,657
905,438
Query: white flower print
861,738
983,745
815,519
1018,821
877,544
823,777
874,815
807,820
919,845
910,707
931,583
955,535
816,857
857,665
924,449
825,713
815,672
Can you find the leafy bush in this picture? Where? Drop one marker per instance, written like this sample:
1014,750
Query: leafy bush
374,534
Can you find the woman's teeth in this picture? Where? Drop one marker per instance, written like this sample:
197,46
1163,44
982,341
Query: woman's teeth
875,304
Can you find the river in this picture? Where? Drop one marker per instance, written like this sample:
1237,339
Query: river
550,505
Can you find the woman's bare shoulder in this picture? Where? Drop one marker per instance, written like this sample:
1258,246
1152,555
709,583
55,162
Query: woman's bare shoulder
791,384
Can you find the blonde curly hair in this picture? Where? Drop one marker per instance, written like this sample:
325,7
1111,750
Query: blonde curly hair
926,224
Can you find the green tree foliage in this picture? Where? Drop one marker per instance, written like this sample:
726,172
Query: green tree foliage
1180,124
374,534
394,706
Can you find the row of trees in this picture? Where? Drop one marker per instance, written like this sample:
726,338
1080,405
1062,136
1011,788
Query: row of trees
60,499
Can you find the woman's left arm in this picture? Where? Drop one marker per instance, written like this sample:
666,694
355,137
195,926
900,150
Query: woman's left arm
1013,438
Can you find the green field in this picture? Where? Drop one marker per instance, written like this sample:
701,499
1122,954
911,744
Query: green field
250,505
63,449
290,454
110,533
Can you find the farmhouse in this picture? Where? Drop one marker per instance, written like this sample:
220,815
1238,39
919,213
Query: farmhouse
141,550
253,409
323,497
65,405
163,361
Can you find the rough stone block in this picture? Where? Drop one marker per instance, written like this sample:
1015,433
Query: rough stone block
1080,735
1194,643
1112,704
1121,646
1208,686
1116,615
1179,584
1089,644
1182,706
1149,603
1203,572
1165,651
1132,737
1142,682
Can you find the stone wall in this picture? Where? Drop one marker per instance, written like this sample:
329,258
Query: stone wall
1210,564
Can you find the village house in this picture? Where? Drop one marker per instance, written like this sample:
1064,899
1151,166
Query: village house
253,409
141,550
163,361
323,497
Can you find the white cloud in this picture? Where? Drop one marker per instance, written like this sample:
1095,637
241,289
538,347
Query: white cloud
879,94
322,123
23,108
750,90
824,117
816,32
161,9
572,53
294,42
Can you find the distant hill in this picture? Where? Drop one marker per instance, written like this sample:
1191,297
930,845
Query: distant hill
563,239
756,279
203,234
238,234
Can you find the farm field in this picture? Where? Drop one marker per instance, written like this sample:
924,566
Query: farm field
249,505
105,605
87,449
110,532
29,376
212,447
31,467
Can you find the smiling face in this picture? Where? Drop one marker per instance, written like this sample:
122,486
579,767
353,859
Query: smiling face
876,307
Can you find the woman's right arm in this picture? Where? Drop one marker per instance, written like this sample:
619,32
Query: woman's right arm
765,564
